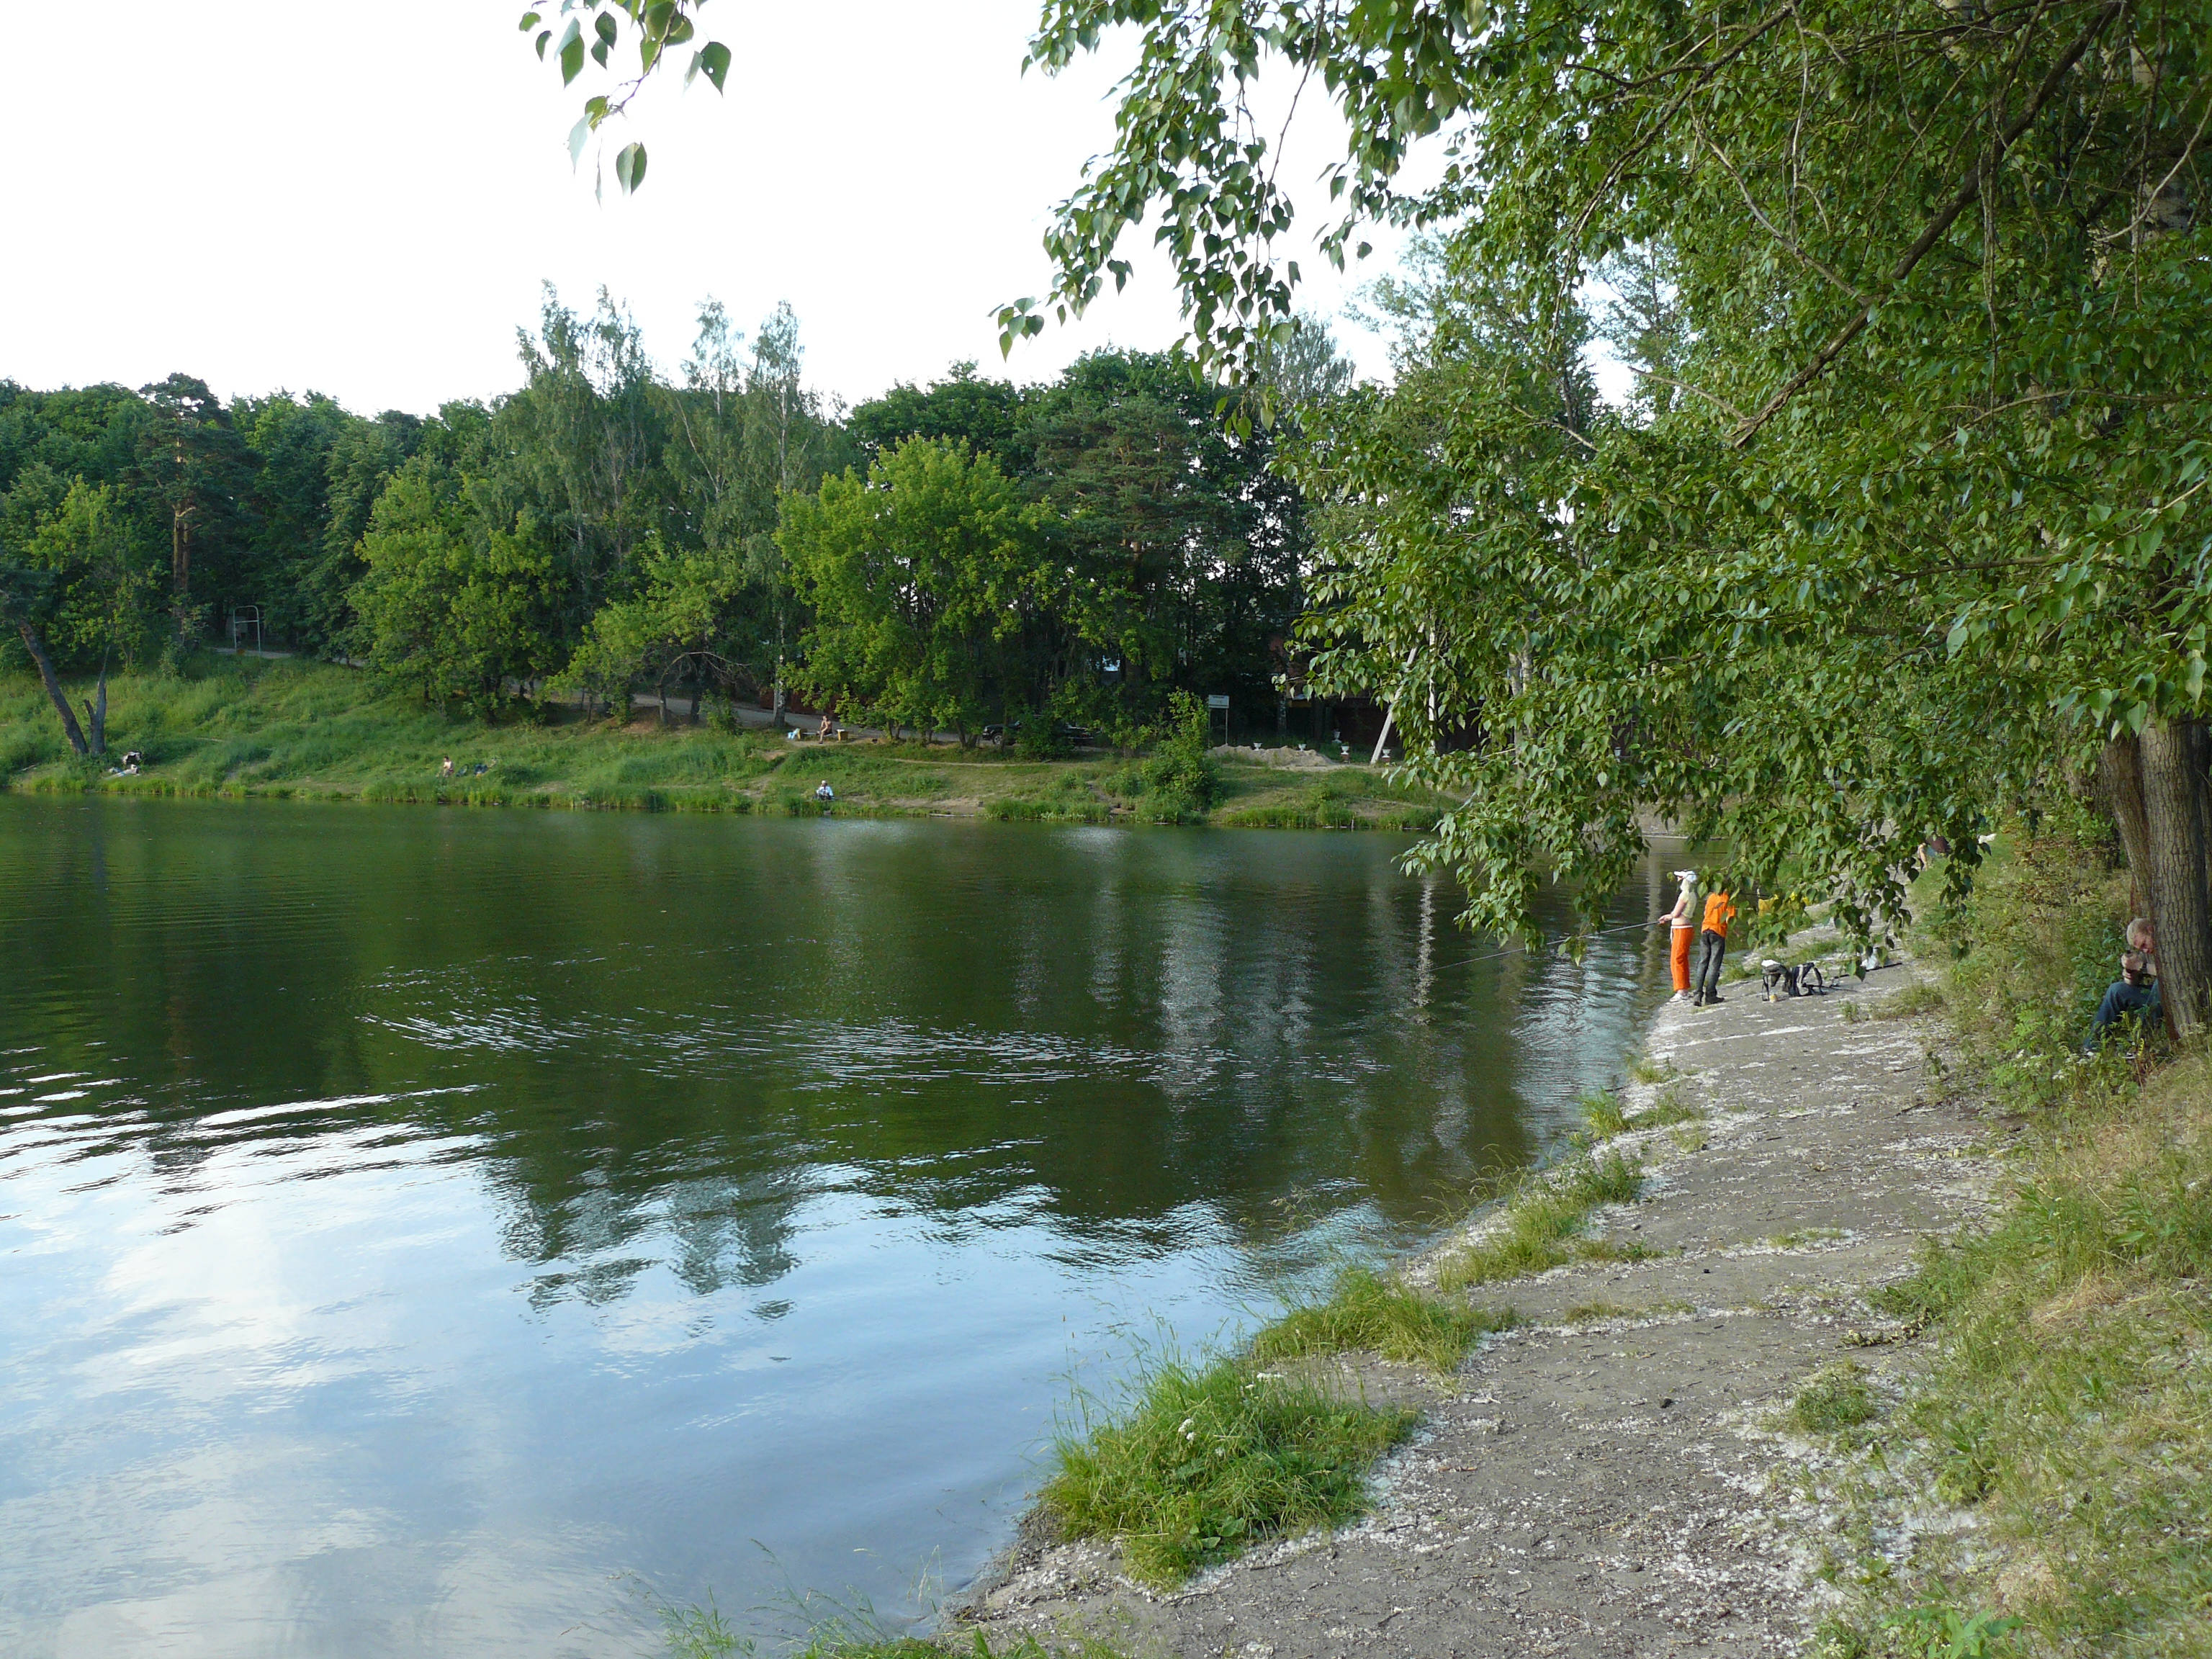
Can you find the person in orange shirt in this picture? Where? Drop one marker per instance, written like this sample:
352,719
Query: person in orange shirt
1712,941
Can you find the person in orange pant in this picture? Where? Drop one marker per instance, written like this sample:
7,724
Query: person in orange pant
1713,945
1682,925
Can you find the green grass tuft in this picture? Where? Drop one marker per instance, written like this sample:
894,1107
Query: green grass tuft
1833,1398
1616,1249
1545,1211
1668,1110
1206,1460
1600,1110
1365,1312
1915,999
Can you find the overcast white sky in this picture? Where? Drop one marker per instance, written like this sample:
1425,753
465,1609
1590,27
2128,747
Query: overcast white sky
362,200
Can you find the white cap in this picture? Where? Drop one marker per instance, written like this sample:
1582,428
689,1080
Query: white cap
1685,875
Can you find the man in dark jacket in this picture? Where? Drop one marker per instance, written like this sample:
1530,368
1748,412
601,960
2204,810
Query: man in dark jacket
2133,996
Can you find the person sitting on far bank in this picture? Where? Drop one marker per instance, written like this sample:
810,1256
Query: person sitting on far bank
824,793
1712,942
2133,998
1681,933
829,729
446,767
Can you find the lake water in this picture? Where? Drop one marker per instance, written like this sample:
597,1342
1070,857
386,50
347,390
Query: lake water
433,1232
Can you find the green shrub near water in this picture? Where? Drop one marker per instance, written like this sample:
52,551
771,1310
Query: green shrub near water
1182,775
1206,1460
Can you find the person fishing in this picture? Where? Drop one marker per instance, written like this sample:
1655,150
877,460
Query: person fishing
1712,941
1682,933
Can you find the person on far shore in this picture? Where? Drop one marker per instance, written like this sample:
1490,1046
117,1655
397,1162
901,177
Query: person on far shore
446,769
2133,997
1682,933
824,794
828,730
1712,941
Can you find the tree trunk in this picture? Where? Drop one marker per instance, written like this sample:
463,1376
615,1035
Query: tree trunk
98,737
2119,770
36,648
2181,909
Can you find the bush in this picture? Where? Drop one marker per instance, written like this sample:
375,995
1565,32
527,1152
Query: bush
1180,775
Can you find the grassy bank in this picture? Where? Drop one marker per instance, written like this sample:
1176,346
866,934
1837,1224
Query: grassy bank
317,732
1202,1461
2046,1487
1539,1225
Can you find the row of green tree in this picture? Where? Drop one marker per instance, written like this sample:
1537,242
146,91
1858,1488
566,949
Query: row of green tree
944,557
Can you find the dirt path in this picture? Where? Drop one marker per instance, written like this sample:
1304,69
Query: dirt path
1600,1485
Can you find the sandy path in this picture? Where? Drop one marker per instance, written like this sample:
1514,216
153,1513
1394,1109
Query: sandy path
1604,1487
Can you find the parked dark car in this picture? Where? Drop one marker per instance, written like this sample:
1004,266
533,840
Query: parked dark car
1074,735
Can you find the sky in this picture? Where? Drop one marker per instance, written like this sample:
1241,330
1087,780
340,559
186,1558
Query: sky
364,200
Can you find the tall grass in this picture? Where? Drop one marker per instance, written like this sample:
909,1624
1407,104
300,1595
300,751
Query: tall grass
2069,1409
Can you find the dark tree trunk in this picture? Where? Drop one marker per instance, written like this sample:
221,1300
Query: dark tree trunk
36,648
97,738
2181,909
2119,770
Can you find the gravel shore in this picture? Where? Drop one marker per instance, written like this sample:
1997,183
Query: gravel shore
1609,1478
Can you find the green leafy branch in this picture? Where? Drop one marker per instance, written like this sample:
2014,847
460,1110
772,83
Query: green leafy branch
657,27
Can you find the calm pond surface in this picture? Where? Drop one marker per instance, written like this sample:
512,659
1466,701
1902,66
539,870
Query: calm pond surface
437,1232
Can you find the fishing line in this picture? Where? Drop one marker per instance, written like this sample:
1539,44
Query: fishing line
1511,949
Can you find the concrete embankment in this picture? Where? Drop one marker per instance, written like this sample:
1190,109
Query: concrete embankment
1610,1478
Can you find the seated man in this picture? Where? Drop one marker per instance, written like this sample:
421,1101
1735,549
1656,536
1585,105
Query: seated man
2133,996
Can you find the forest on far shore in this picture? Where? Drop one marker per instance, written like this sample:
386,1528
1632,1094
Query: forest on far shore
966,553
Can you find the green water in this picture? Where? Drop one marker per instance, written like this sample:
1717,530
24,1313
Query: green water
434,1232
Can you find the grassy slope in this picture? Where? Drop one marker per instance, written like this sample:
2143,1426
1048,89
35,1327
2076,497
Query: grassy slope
2068,1421
312,730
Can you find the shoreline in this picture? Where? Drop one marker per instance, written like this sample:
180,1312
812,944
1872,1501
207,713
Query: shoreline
296,730
1613,1476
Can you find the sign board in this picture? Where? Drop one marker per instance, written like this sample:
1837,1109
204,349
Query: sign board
1216,703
